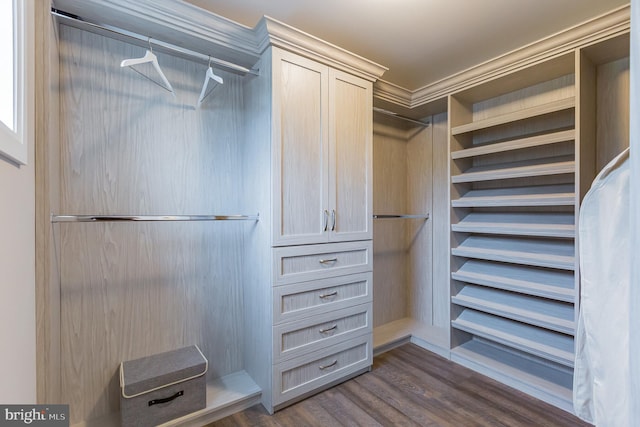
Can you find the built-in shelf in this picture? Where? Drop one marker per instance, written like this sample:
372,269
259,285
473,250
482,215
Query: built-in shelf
225,396
546,195
523,169
550,383
552,284
538,110
543,343
552,315
541,253
515,144
518,224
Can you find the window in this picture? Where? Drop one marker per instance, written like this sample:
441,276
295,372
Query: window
15,25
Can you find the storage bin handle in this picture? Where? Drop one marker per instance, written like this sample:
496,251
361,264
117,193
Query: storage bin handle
166,399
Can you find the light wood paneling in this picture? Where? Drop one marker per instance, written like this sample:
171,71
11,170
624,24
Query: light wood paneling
440,221
389,249
130,289
47,200
612,99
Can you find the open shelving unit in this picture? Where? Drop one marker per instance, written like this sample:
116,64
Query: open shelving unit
514,204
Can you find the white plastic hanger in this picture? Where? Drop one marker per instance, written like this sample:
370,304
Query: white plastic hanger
149,56
210,75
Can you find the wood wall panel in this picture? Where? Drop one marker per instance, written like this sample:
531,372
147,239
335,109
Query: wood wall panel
419,232
440,221
389,247
612,94
133,289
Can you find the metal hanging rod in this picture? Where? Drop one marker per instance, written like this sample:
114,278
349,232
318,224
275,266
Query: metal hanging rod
398,116
124,218
425,217
90,26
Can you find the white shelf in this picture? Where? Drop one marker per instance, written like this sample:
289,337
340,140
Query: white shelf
515,144
552,315
225,396
520,224
550,383
527,113
552,284
539,253
546,195
540,342
523,169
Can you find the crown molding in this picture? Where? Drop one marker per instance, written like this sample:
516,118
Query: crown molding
600,28
271,32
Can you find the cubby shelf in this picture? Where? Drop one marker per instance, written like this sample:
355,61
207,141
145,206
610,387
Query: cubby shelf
552,284
552,315
529,168
547,195
515,144
538,110
518,224
539,253
546,344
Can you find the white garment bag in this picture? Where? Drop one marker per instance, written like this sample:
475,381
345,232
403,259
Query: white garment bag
601,384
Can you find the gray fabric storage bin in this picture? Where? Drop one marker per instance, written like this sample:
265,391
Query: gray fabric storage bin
162,387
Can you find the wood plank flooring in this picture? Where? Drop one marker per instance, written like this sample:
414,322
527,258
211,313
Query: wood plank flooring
409,386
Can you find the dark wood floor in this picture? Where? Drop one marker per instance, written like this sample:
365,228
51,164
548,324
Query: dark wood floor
409,386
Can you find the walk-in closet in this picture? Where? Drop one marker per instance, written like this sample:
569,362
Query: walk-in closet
268,197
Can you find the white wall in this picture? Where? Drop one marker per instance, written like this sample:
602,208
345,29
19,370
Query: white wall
17,283
17,270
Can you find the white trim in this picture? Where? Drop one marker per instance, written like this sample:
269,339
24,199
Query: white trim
610,24
14,144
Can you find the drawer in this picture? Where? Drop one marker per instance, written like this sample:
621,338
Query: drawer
304,374
310,262
314,333
310,298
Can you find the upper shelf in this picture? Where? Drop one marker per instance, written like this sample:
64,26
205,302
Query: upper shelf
544,195
519,224
522,169
538,110
515,144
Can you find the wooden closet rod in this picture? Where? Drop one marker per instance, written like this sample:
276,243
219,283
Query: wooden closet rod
398,116
124,218
76,21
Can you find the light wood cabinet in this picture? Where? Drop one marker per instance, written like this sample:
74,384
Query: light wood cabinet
322,153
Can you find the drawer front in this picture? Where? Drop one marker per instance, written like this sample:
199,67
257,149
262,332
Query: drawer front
314,333
311,298
304,263
307,373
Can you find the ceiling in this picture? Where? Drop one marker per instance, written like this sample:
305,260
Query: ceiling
420,41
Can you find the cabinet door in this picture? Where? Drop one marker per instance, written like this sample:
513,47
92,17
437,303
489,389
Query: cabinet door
351,157
300,150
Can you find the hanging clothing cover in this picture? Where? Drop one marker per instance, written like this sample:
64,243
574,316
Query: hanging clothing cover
601,382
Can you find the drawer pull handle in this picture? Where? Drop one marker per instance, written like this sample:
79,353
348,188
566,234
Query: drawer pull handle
330,365
166,399
324,331
331,294
327,261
